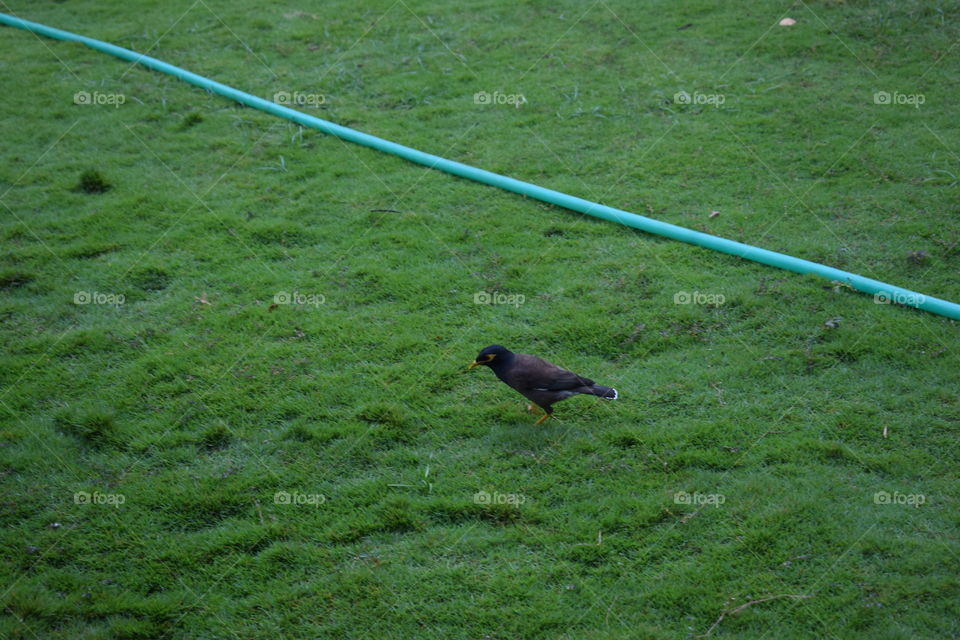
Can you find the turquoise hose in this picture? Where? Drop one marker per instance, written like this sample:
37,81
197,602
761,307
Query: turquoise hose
882,292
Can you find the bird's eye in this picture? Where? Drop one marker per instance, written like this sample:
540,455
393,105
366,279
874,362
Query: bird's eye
491,356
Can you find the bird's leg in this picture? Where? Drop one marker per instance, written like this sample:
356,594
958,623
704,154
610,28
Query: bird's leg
534,409
543,418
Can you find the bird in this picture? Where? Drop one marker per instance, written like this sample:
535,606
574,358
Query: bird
542,383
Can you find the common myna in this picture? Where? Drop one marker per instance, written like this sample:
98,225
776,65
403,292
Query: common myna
541,382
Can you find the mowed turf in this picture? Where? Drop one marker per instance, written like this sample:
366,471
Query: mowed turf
234,390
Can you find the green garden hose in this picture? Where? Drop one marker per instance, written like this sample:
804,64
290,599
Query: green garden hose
882,292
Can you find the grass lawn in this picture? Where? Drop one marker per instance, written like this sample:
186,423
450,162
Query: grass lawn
234,392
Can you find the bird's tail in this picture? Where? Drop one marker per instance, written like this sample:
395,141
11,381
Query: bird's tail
607,393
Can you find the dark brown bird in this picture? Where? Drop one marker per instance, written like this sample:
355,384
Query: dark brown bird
541,382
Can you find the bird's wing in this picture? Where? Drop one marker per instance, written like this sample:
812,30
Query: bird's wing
532,372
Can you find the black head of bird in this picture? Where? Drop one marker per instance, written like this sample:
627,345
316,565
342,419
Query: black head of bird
541,382
493,356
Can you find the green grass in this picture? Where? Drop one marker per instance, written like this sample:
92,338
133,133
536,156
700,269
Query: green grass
188,406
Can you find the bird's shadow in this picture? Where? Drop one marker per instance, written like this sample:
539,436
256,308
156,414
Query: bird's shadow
520,434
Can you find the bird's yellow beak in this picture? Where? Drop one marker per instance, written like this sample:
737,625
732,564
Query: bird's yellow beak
477,363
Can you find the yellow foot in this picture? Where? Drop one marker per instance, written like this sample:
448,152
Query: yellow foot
543,418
